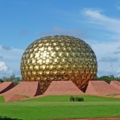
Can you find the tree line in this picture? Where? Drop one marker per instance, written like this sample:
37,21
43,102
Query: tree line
16,80
109,78
12,78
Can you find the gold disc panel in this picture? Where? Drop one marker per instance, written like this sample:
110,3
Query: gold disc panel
59,58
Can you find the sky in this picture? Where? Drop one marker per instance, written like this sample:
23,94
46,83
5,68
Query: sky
97,22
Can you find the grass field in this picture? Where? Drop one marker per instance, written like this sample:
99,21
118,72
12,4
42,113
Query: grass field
57,107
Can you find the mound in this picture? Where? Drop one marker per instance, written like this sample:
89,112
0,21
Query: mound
12,97
115,84
25,89
63,88
100,88
5,86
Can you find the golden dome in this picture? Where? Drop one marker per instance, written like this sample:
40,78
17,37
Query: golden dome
59,58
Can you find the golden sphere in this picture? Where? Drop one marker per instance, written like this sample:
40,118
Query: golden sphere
59,58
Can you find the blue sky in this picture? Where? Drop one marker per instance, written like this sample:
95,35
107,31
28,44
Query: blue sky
97,22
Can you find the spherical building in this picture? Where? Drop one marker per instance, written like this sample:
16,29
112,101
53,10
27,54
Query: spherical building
59,58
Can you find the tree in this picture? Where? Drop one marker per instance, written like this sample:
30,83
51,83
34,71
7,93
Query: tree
108,79
12,78
1,80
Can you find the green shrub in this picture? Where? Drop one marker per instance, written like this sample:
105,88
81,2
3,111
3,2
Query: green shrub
78,99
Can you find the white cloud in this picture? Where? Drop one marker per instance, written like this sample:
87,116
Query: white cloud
4,70
107,51
118,7
108,61
3,66
99,18
9,53
11,59
105,22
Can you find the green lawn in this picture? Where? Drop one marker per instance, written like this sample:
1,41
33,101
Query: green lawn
1,99
52,107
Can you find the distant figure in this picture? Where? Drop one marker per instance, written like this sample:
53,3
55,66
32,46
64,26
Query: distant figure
72,98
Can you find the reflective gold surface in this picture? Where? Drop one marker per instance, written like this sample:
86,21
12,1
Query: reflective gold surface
59,58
